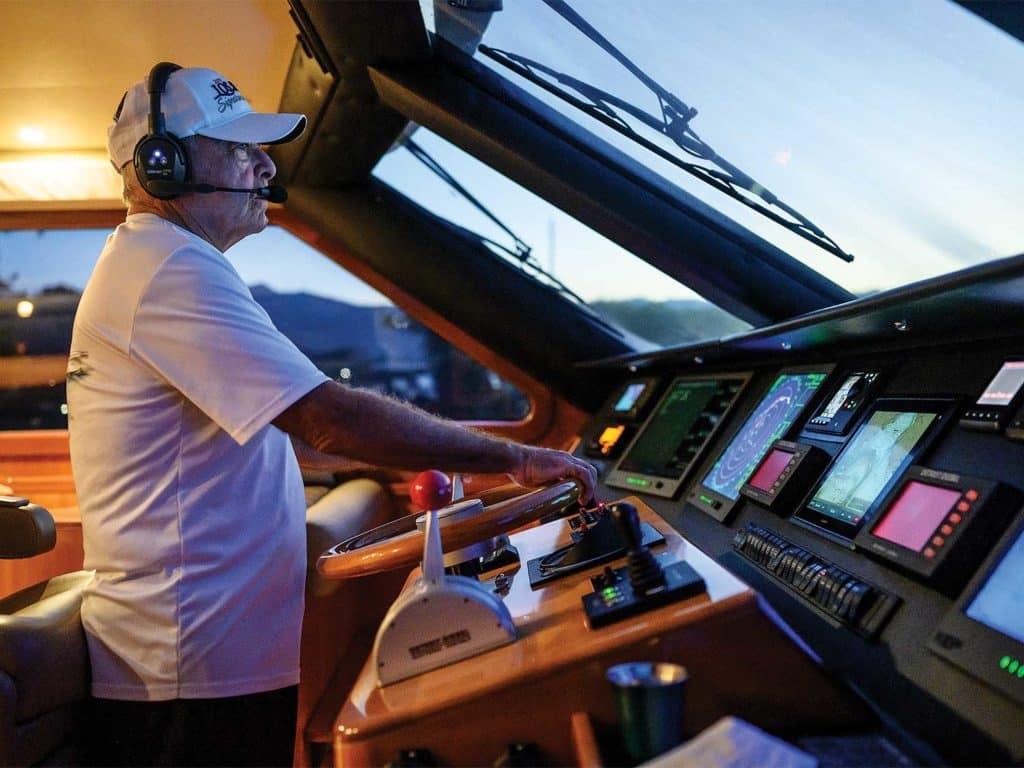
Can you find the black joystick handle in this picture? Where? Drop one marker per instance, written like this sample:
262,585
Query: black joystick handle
644,571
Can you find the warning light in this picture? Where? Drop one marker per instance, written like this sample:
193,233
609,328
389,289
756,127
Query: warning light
610,437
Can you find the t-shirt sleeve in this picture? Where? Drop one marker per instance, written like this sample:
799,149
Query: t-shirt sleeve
198,327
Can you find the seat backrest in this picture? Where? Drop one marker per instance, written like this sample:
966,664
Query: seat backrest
44,672
44,661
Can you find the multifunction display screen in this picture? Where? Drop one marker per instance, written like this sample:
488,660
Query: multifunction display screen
916,513
867,465
770,469
774,415
999,604
629,398
676,433
1004,386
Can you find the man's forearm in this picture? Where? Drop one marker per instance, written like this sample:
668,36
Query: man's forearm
366,427
313,460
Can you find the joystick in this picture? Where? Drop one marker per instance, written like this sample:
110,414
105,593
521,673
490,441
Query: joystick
648,585
645,574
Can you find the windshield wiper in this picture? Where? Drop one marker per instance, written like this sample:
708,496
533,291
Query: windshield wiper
521,252
674,123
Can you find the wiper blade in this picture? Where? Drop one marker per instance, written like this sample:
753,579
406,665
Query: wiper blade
673,123
522,253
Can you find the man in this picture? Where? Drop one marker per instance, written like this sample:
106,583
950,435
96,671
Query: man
189,416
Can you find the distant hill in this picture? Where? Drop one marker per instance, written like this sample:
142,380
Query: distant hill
317,325
667,323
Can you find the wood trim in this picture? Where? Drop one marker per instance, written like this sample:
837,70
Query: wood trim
37,464
32,370
102,214
584,741
467,712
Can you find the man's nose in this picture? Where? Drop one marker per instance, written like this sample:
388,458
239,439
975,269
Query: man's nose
265,168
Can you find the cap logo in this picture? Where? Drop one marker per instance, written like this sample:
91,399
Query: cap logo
227,94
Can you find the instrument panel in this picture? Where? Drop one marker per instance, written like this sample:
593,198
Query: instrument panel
876,504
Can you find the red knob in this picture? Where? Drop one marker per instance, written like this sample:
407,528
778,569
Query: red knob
431,490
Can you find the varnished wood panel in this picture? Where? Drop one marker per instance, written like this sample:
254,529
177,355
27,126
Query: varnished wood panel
740,663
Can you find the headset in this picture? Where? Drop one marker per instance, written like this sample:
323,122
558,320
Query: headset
160,160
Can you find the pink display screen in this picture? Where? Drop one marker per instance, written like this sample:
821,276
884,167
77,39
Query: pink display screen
916,513
770,469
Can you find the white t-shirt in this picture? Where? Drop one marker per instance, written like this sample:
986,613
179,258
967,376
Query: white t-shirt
192,504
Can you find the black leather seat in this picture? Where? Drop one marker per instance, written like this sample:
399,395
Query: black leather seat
44,662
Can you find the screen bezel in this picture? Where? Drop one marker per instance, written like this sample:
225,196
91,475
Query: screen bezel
973,646
943,408
658,485
713,503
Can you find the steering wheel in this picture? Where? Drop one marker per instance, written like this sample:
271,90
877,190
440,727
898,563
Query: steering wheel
399,544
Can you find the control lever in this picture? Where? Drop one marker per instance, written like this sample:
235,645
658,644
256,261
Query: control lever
645,574
649,585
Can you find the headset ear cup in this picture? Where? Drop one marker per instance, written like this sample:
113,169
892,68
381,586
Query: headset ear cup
162,165
160,160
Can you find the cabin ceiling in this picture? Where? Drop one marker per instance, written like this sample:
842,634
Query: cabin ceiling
65,63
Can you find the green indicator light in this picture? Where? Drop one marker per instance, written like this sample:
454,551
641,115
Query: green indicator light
1004,662
1014,666
1020,671
706,499
637,481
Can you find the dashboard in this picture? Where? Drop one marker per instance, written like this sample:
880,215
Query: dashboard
870,488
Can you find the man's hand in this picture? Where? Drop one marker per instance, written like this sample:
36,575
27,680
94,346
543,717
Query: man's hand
544,465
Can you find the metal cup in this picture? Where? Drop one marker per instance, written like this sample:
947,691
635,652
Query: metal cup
650,698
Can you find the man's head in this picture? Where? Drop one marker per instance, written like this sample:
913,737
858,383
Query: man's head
213,137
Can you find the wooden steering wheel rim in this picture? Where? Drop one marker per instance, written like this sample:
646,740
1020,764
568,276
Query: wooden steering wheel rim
399,547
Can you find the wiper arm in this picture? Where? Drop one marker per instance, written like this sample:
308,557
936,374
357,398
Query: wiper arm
522,252
673,123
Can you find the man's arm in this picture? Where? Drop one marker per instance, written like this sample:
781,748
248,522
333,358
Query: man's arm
315,461
377,430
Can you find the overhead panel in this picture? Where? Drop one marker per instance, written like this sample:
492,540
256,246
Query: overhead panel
350,128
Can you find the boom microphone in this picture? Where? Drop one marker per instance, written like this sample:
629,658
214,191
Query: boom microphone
274,193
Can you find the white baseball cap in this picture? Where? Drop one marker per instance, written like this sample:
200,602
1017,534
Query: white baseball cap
202,102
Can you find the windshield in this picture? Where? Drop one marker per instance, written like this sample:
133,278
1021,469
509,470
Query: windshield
891,126
612,282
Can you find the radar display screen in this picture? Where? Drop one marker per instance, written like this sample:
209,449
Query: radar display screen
870,464
675,435
772,418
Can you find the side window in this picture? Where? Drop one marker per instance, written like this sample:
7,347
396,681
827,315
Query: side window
358,336
350,331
